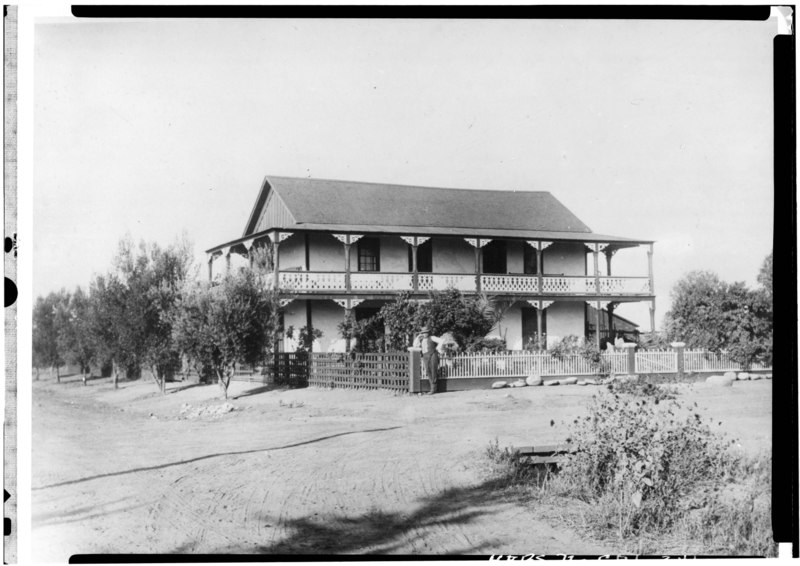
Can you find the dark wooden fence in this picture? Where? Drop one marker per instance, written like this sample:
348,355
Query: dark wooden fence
360,371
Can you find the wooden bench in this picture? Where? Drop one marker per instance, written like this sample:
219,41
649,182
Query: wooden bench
544,453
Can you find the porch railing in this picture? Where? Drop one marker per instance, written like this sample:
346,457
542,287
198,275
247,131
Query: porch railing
310,281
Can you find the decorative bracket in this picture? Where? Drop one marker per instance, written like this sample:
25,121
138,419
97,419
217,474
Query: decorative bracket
410,240
248,244
422,239
348,303
596,247
539,244
280,236
540,305
477,242
285,302
348,238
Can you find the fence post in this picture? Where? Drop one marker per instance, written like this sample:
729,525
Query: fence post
678,347
631,349
414,369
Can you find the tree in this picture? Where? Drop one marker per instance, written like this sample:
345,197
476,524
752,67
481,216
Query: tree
141,296
74,337
400,320
469,319
220,326
711,314
44,344
765,275
696,317
110,325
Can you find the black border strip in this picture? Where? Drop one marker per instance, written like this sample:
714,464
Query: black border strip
662,12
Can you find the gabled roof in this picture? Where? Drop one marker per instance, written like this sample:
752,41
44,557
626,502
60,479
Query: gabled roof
352,206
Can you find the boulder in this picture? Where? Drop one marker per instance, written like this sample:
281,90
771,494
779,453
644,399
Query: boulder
581,382
756,376
568,381
499,384
743,375
519,383
768,376
730,375
589,381
721,380
551,382
533,379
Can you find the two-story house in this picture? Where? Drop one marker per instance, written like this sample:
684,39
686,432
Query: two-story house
343,245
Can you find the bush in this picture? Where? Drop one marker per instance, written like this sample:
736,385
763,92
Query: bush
641,387
639,461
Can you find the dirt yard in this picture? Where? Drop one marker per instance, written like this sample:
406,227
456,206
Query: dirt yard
307,471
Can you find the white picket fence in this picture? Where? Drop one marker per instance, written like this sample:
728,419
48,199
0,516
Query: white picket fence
703,360
516,364
656,361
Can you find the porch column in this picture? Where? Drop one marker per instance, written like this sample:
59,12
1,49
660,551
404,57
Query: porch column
414,242
653,315
227,253
348,312
610,308
540,306
608,253
650,269
539,246
276,238
597,316
347,240
210,268
478,244
347,267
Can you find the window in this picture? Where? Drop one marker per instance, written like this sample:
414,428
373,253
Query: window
494,257
529,261
424,258
369,254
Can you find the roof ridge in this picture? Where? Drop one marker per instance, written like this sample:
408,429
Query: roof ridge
347,181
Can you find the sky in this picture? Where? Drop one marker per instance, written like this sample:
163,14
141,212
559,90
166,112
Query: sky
655,130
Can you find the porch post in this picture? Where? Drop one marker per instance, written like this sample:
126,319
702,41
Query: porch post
276,242
653,315
595,253
540,285
597,317
539,329
414,269
347,266
478,267
609,253
347,314
228,260
650,269
210,268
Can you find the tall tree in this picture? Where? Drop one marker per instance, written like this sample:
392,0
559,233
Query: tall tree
45,351
75,338
220,326
765,275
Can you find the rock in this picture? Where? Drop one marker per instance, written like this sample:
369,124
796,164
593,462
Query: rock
499,384
519,383
533,379
721,380
582,382
730,375
756,376
743,375
551,382
768,376
590,382
568,381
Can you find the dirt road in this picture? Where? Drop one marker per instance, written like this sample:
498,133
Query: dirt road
305,471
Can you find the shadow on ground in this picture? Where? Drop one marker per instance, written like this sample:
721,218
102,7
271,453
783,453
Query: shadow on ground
208,456
436,521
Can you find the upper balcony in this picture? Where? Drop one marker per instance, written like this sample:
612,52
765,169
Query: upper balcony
324,264
305,282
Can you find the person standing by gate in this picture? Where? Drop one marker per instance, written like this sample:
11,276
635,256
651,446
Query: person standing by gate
430,356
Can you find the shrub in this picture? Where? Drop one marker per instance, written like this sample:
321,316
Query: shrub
641,387
487,345
638,461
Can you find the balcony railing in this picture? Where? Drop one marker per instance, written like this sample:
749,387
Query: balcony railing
366,282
